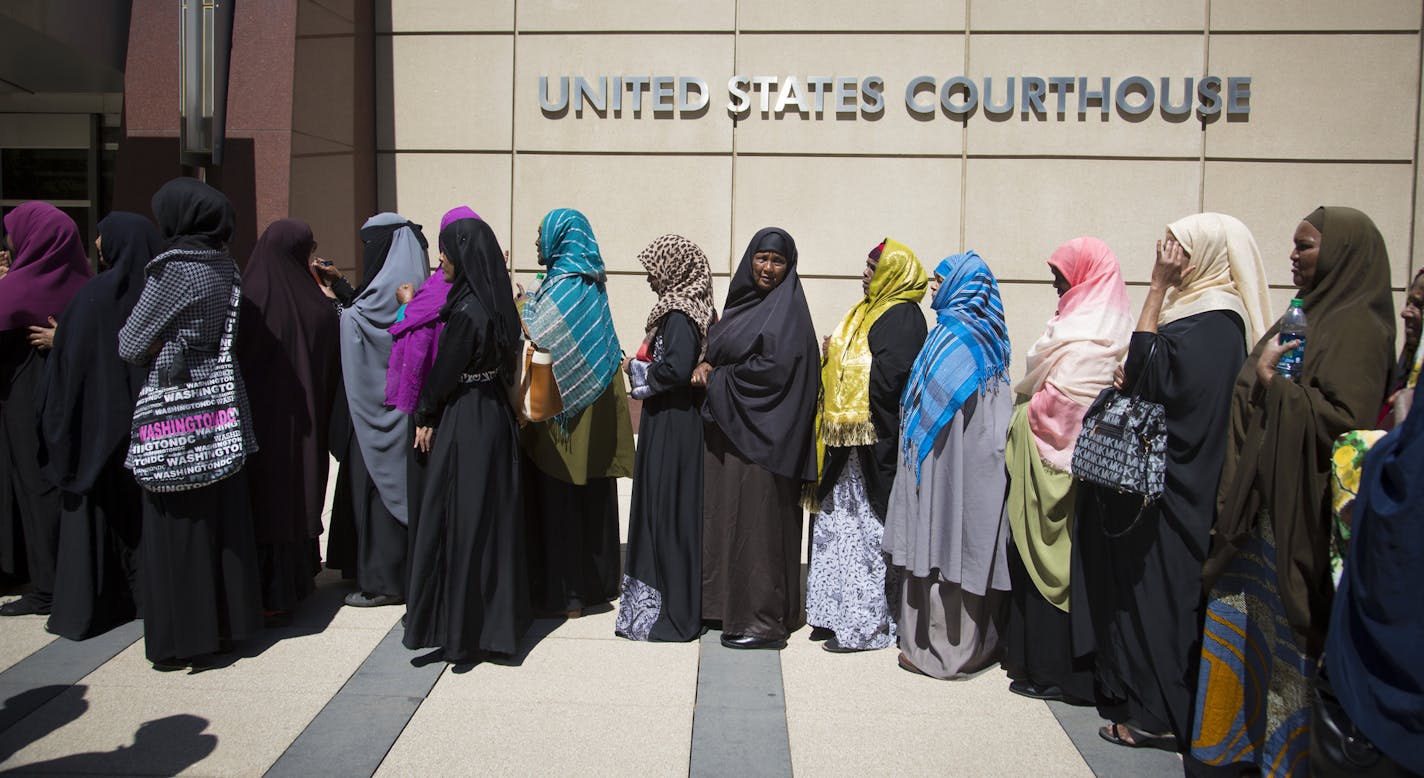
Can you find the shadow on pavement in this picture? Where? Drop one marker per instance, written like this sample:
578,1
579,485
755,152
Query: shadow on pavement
165,746
311,617
64,710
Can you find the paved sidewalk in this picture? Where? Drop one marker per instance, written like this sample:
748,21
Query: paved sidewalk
335,693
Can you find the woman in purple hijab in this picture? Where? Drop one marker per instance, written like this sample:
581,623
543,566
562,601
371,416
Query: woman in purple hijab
48,267
413,346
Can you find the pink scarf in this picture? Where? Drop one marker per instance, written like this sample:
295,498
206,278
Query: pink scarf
1075,357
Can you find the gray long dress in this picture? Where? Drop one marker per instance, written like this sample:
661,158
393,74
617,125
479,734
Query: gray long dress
948,535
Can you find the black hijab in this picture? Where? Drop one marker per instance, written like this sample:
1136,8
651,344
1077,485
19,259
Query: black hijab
1377,626
86,405
376,244
763,391
290,355
193,215
481,276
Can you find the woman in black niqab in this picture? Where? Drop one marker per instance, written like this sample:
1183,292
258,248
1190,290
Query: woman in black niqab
760,411
468,589
290,355
86,409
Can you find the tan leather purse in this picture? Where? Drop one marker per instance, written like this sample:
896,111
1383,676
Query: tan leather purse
534,392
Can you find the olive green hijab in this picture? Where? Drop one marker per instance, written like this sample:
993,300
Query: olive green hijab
1278,454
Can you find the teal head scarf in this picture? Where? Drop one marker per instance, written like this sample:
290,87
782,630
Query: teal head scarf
569,313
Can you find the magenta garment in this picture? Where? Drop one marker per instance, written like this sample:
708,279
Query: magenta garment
48,267
413,341
457,213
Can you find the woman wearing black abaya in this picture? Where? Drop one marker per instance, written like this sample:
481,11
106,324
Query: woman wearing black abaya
468,586
762,375
48,269
86,410
289,354
662,583
199,578
1139,583
378,454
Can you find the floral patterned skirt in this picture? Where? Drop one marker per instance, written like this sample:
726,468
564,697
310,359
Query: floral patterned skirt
846,588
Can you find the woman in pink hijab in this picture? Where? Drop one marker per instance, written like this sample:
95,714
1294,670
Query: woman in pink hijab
1070,364
48,267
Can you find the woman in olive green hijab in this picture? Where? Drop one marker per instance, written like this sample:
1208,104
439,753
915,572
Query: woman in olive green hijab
1269,573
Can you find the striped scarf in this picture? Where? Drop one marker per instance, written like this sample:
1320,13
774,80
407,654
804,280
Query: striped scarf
569,314
967,350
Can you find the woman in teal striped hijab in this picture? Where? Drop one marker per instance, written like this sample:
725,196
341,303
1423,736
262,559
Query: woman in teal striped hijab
570,492
569,314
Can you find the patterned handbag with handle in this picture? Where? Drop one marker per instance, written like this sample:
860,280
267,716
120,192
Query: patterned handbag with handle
1123,445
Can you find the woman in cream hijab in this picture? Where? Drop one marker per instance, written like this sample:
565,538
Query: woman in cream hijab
1138,571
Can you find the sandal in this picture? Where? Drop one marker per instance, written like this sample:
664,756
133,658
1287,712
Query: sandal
1140,739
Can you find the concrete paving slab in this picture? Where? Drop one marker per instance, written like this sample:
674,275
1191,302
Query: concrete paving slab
357,727
50,670
21,636
289,662
1108,760
858,713
160,731
582,672
740,721
450,736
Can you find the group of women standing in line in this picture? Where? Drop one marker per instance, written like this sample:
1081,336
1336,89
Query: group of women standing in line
947,520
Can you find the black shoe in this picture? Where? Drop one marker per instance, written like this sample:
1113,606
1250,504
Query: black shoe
369,600
29,605
1034,691
821,633
751,642
170,665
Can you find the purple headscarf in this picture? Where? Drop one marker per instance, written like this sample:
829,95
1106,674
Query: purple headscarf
48,268
455,214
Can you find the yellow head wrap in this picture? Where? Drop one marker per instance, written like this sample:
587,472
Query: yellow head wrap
844,414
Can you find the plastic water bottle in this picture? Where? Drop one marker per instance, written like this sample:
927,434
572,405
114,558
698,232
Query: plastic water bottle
538,280
1293,327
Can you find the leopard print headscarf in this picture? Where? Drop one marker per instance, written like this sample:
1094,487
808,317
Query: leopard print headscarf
683,280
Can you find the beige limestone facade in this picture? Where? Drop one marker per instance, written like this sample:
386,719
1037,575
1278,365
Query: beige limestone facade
1334,119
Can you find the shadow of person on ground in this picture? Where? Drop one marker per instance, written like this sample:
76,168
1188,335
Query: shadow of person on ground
311,617
63,710
165,746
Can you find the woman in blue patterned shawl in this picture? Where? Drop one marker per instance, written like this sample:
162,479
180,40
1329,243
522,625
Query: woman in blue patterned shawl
570,492
945,527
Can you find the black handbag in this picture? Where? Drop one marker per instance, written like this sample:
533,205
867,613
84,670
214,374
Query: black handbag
1337,746
1123,445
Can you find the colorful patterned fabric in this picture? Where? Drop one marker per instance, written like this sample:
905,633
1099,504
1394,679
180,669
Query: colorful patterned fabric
1346,460
1253,689
569,314
967,350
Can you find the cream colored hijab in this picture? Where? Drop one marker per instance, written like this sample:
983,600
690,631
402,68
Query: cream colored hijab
1226,275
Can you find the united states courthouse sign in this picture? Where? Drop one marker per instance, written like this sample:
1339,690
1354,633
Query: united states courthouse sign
999,99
